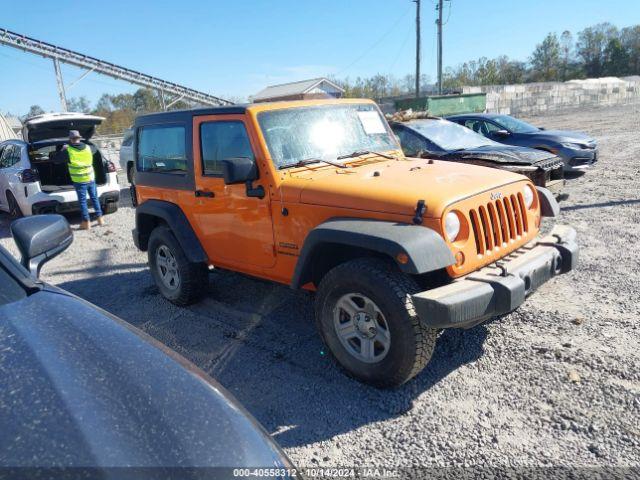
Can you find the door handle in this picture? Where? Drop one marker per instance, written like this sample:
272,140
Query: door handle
204,193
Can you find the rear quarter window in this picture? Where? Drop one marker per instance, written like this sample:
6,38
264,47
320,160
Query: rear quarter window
161,149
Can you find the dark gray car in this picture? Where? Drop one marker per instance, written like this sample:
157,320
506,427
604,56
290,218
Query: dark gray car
578,150
83,393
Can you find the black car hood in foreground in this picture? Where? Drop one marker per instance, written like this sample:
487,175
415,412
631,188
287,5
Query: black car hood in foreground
82,388
506,154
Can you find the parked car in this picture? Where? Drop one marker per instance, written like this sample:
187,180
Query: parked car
578,150
31,182
83,389
126,154
438,138
318,195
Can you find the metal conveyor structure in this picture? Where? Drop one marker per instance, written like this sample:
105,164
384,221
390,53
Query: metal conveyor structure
58,54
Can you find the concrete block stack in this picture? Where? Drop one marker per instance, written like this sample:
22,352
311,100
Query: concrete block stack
535,98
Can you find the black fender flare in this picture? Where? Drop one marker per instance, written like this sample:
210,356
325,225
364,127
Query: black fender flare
425,249
549,206
147,214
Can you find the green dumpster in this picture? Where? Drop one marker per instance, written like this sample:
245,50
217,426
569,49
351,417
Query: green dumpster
441,105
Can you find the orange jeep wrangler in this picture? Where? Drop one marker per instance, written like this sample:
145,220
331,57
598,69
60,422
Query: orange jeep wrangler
318,195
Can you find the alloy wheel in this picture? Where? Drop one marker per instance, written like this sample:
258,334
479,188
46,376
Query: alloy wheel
167,267
361,328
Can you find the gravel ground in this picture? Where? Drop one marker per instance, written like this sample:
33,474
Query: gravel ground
556,383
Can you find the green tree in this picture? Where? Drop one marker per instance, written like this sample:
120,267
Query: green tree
616,58
104,103
592,42
33,111
80,104
630,38
566,54
545,60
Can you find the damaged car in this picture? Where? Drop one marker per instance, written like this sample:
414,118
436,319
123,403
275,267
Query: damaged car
32,181
435,137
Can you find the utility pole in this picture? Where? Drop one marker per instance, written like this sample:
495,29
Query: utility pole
439,23
417,2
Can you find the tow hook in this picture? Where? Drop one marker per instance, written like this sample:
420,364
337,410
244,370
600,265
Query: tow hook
503,269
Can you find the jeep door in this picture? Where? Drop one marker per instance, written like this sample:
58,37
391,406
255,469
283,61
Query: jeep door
234,229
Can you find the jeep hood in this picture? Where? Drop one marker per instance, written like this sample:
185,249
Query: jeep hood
57,125
395,186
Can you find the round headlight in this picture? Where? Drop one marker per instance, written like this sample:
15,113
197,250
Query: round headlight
451,226
527,193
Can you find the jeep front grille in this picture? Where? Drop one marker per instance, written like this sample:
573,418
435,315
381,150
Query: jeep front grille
498,222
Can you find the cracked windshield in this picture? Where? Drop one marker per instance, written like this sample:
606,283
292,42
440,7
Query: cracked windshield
324,133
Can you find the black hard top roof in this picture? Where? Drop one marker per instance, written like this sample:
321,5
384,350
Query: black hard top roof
182,115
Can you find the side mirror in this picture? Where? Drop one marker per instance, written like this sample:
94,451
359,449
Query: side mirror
41,238
541,128
501,133
239,170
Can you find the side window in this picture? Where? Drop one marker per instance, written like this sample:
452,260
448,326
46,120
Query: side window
474,125
17,155
410,142
222,140
161,148
491,128
481,127
8,155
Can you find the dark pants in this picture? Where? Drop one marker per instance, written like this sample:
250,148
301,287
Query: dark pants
81,190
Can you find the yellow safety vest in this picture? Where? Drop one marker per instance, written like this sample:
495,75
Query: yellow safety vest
80,164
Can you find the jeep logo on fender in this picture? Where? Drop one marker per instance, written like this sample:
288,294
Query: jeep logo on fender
496,195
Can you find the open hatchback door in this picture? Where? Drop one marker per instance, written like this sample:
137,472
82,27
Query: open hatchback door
57,125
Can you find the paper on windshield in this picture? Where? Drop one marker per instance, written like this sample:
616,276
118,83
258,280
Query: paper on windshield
372,123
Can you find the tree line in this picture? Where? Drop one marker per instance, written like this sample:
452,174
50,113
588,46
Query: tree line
598,51
601,50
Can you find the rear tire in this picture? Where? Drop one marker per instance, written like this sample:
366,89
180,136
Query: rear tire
366,317
179,281
14,208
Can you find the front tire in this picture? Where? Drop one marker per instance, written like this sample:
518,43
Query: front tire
179,281
366,317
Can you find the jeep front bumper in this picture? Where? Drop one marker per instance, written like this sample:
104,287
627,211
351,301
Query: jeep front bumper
500,287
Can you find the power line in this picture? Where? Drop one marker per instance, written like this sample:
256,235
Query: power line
377,42
448,13
404,43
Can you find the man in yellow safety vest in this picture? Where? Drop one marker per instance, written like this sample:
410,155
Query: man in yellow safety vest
80,163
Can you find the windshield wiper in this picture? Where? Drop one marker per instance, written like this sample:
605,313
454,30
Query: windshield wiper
359,153
309,161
